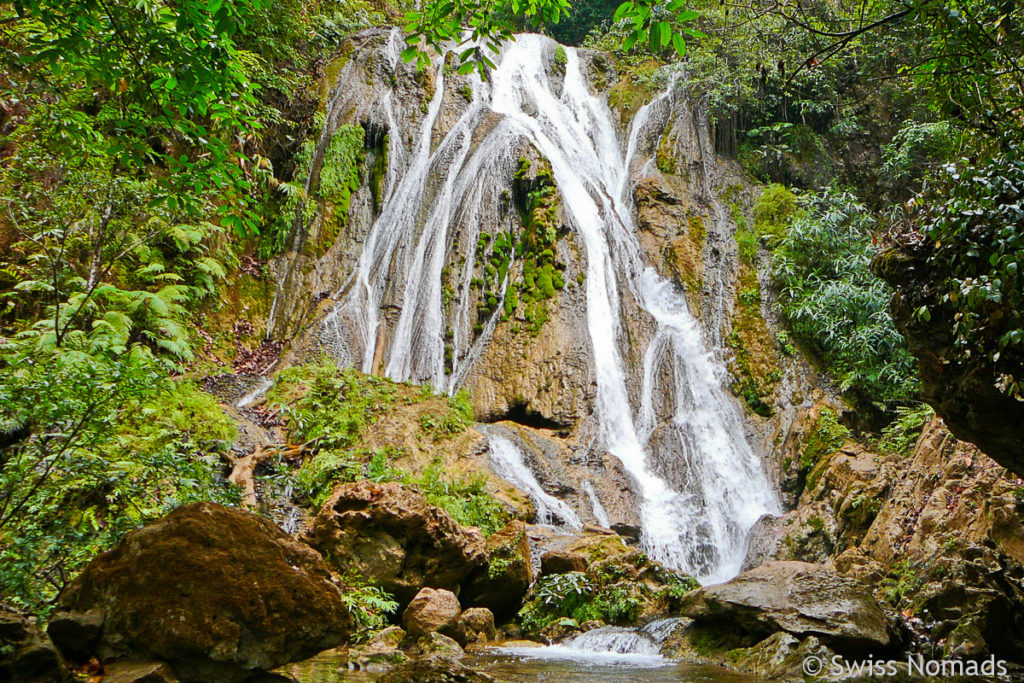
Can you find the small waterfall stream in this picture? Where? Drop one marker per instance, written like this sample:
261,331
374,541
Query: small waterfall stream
696,522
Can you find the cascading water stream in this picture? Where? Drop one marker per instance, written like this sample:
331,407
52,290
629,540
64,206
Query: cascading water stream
507,462
698,522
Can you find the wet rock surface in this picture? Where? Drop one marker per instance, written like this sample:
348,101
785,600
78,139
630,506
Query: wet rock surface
219,594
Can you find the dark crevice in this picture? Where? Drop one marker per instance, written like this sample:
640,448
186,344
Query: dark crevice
519,412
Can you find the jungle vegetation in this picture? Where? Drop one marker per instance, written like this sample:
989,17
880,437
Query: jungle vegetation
147,148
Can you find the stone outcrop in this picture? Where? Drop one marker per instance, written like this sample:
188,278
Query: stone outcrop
799,598
936,534
431,610
562,562
393,538
499,585
219,594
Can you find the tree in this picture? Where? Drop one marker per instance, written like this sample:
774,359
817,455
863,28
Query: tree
479,27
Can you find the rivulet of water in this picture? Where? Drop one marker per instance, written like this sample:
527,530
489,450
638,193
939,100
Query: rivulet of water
695,521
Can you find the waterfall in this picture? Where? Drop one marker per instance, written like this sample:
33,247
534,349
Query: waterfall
446,188
508,463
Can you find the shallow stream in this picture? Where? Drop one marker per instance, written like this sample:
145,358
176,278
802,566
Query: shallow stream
555,664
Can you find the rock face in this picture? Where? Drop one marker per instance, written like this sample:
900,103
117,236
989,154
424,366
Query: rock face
395,539
961,390
799,598
431,610
562,562
217,593
26,654
500,584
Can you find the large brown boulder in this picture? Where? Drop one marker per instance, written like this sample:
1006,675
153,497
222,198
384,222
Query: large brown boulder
395,539
431,610
217,593
796,597
500,584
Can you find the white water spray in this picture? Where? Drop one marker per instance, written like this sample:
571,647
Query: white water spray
698,521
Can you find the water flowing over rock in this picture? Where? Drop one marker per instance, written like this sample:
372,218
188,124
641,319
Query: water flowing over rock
620,363
219,594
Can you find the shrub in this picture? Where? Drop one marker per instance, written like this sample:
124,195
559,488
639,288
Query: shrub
833,301
95,446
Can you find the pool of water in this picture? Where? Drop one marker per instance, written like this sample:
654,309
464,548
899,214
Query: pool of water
556,664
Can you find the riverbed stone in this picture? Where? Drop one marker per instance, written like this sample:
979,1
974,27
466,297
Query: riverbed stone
799,598
434,670
475,625
431,610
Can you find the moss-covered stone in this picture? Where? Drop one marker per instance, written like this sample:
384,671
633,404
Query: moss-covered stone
218,593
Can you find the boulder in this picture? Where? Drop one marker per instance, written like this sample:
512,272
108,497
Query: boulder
395,539
26,653
437,645
434,670
431,610
76,633
217,593
796,597
379,652
499,585
475,625
562,562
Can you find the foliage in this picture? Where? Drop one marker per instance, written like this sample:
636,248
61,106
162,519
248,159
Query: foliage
93,447
902,582
478,27
901,434
833,301
659,25
328,407
606,591
153,70
970,224
465,499
920,148
826,436
368,605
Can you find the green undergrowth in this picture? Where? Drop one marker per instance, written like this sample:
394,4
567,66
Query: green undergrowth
96,447
331,410
608,591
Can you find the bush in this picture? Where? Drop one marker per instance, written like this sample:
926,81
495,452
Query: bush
971,223
833,301
93,447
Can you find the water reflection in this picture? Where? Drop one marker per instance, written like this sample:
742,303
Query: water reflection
539,667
